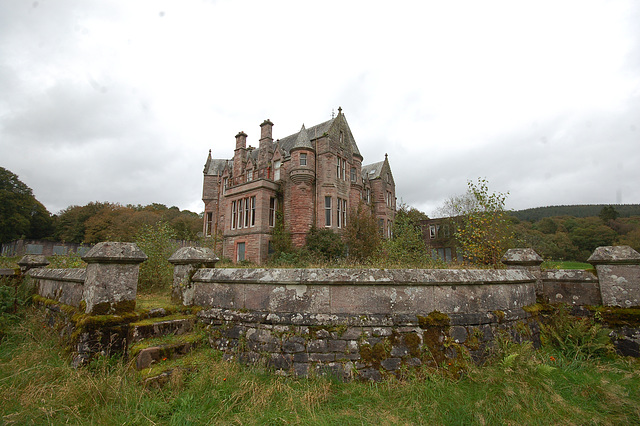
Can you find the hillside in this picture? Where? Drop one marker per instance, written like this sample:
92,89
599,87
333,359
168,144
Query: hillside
585,210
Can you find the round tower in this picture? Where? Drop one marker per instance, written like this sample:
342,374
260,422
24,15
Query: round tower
302,176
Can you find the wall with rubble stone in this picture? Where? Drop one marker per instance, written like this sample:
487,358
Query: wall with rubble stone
364,323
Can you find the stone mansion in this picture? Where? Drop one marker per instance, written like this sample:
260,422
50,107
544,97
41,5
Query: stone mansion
313,177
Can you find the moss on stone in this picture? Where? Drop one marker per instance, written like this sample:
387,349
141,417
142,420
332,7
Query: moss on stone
500,315
616,316
412,342
109,308
434,319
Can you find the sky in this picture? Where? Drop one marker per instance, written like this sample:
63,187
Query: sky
121,101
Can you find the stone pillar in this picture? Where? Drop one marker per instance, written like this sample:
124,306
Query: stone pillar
527,259
31,261
618,269
186,261
112,278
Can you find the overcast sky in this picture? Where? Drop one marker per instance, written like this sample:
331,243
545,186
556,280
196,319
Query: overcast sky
121,101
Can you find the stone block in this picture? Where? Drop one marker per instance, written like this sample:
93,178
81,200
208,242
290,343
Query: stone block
458,334
319,346
391,364
322,357
337,345
399,351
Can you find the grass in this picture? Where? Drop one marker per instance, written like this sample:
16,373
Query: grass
562,264
518,386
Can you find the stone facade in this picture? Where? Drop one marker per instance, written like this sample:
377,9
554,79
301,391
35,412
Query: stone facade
312,177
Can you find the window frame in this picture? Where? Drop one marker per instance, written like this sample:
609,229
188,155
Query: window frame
327,211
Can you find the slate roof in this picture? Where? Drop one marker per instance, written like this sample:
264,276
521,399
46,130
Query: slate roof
303,141
372,171
288,142
299,139
216,167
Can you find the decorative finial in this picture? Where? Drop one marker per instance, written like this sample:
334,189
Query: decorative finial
386,155
339,110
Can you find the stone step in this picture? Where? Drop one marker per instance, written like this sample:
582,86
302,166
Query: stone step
162,326
144,358
158,374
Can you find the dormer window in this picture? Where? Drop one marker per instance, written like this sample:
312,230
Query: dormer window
303,159
249,175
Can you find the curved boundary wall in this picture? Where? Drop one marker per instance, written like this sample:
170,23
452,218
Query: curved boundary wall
360,323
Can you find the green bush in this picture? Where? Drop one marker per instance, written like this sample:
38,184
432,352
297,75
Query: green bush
325,244
156,273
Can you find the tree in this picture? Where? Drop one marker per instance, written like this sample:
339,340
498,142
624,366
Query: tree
20,213
407,246
483,231
608,213
361,234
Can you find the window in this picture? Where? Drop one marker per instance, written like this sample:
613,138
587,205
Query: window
209,224
272,211
388,178
303,159
389,230
276,170
249,175
445,231
339,216
353,174
240,252
344,169
432,231
341,137
246,213
344,213
368,195
381,226
233,215
327,211
253,211
240,213
225,184
339,168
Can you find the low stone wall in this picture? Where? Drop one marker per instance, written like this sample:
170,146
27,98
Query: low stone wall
361,291
573,287
63,285
360,323
364,347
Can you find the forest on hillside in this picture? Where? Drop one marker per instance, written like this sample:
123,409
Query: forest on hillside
580,210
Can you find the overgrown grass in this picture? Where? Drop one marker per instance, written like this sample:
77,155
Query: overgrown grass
518,386
562,264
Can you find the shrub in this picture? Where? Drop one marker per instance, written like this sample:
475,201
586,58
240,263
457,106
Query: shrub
156,273
325,243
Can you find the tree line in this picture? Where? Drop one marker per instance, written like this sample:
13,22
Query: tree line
23,216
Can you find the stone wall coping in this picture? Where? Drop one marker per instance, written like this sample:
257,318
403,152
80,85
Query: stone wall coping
369,320
568,275
33,261
193,255
115,252
427,277
521,256
609,255
76,275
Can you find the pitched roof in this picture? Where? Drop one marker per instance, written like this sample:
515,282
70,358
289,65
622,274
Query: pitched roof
289,142
216,167
372,171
